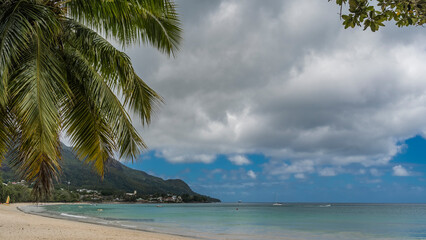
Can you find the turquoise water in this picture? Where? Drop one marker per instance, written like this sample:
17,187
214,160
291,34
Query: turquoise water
260,221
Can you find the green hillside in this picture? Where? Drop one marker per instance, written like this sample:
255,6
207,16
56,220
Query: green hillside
118,178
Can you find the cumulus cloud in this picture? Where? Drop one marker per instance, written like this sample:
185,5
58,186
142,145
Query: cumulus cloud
252,174
400,171
293,85
239,160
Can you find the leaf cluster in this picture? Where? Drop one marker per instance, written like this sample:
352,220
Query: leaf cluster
373,14
58,74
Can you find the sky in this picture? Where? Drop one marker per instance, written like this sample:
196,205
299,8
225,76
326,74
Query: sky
275,101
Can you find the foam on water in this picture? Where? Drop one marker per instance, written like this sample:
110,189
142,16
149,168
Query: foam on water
73,216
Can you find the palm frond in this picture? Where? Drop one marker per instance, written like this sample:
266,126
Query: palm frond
4,133
15,32
125,135
160,27
115,68
85,122
35,90
111,63
142,99
132,21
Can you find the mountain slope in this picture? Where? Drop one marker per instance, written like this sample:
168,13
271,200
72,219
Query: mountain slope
118,178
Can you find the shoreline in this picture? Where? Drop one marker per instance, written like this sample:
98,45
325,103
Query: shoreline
16,223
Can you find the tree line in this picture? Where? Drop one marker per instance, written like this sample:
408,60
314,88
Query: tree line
22,193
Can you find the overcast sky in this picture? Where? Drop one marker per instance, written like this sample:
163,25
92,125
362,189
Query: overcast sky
278,92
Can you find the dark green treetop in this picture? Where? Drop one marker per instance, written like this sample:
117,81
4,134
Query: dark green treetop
374,13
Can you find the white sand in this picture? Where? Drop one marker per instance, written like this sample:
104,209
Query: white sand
15,224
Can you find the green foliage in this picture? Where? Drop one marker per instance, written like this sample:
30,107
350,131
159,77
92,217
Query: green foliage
373,14
21,193
129,198
58,74
186,198
3,192
17,193
64,196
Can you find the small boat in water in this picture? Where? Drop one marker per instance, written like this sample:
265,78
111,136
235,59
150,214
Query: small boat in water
327,205
276,203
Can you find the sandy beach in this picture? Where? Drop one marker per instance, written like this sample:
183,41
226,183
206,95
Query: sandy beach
15,224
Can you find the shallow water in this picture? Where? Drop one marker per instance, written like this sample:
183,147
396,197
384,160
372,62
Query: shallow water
259,220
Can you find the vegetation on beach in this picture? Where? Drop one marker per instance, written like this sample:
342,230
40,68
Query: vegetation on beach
57,74
17,193
22,193
373,14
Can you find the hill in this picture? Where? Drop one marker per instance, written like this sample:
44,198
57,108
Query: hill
118,178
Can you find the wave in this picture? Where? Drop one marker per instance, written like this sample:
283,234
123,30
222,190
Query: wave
70,215
129,219
128,226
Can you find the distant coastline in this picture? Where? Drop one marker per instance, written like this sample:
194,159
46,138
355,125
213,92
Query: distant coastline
120,183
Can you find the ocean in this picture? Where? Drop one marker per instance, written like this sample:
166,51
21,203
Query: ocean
237,221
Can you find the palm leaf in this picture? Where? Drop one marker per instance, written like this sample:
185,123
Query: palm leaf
115,68
35,89
4,133
85,122
132,21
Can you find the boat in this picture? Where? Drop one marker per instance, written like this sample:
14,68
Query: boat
276,203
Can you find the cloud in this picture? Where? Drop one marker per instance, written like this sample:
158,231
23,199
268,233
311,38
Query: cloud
284,170
299,176
327,172
400,171
251,174
239,160
179,156
375,172
272,79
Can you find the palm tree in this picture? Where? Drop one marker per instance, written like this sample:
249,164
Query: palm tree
59,74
